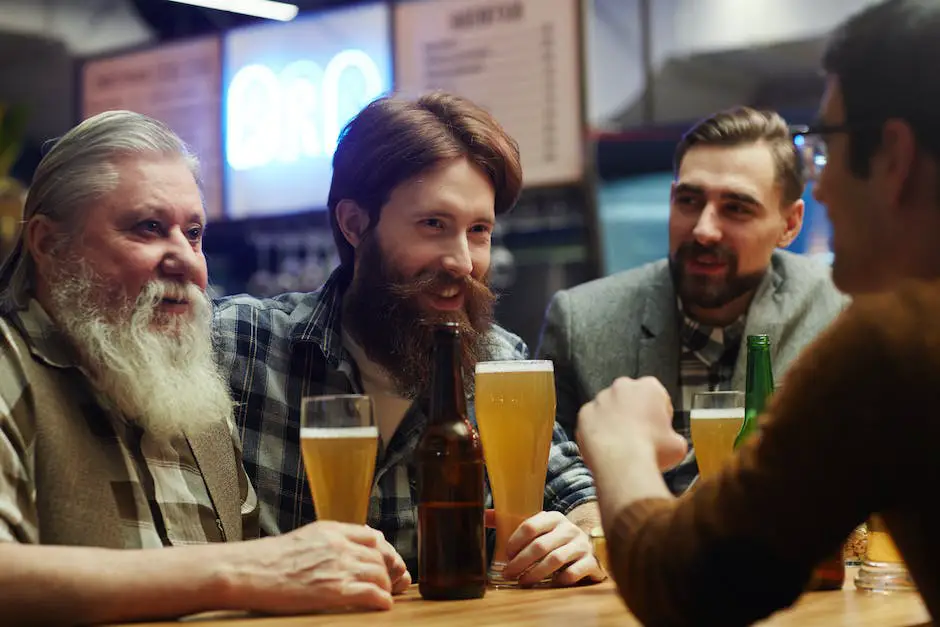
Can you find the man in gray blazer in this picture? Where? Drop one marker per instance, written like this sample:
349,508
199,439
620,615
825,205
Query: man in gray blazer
735,200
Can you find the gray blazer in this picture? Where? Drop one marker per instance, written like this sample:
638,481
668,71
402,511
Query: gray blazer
627,324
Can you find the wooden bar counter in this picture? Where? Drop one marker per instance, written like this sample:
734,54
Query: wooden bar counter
588,606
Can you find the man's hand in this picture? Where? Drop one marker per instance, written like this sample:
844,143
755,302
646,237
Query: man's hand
638,412
548,544
322,566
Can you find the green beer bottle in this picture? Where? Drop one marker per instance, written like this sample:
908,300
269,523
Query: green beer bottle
758,387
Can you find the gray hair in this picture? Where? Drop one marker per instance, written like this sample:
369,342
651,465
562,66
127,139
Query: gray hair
77,171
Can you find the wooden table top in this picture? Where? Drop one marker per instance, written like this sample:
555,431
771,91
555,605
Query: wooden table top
588,606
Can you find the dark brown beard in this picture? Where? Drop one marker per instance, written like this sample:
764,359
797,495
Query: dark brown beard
709,292
383,314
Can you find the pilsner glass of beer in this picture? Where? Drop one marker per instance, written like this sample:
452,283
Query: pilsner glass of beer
515,412
339,441
715,420
883,568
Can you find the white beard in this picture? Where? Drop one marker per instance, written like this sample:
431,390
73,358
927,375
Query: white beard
155,369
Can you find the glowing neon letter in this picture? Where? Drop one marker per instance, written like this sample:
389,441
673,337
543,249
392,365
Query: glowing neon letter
253,114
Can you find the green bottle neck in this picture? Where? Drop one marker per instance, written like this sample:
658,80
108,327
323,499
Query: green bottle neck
760,380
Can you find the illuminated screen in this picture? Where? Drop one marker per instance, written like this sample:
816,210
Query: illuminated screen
289,90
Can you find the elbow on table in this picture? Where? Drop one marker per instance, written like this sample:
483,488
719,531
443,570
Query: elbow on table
733,585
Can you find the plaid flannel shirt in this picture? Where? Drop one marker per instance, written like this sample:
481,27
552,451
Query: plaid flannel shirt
706,364
279,350
160,493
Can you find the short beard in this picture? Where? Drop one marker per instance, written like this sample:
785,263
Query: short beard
153,369
383,314
710,292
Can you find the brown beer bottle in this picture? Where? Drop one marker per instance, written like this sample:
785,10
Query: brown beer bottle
449,460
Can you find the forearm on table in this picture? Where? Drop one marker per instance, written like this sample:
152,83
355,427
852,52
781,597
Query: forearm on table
694,560
57,585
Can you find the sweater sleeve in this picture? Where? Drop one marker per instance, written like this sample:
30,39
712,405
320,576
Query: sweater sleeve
832,450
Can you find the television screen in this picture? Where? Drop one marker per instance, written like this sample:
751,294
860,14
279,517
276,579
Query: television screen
289,89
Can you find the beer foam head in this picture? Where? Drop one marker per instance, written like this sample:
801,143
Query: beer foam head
517,365
351,432
715,414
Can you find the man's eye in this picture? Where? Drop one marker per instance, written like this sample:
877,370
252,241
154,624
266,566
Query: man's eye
149,226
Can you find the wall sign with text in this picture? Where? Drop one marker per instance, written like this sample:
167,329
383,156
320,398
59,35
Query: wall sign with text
289,91
518,58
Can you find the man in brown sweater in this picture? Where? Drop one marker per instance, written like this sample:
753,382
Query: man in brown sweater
853,430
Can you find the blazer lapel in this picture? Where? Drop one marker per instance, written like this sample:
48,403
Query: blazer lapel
766,315
215,455
658,346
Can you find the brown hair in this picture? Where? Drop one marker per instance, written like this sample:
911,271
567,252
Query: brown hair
883,57
393,139
744,125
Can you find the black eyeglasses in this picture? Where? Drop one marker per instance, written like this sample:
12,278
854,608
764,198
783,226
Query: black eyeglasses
810,141
810,144
819,129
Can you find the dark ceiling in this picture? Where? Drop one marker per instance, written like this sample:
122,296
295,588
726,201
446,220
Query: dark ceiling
171,20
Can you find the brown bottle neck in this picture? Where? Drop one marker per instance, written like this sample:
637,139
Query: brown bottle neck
448,402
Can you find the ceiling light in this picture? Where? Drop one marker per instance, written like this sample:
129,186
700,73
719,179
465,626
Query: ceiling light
269,9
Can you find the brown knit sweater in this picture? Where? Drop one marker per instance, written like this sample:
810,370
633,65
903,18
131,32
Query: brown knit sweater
853,431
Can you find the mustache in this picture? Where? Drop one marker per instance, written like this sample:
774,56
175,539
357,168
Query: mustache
160,289
472,289
692,250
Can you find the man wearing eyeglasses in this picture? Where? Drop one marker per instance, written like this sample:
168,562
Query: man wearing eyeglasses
736,199
854,431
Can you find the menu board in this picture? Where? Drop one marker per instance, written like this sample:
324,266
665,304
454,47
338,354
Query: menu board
179,84
520,59
289,90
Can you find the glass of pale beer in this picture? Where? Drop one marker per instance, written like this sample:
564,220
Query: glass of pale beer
515,412
883,568
715,420
339,441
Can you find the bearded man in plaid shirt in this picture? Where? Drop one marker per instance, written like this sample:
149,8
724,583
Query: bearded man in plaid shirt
416,189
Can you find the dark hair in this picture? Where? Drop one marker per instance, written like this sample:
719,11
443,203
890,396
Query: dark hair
884,58
744,125
393,139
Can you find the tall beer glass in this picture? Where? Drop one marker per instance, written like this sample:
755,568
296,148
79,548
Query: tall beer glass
339,441
515,411
715,420
883,568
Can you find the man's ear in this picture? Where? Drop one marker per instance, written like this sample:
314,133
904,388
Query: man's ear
39,237
353,221
794,223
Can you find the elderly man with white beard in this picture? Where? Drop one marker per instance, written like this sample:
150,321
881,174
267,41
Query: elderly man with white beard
118,454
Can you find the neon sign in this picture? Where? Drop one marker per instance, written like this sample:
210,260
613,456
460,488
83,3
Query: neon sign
297,112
